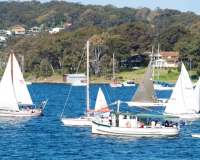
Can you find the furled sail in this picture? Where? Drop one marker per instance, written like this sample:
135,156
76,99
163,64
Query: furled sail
101,104
7,95
182,100
145,91
21,90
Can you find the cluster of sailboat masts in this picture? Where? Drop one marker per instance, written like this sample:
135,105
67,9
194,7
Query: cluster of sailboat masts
184,103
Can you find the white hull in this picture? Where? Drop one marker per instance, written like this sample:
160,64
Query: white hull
186,116
128,85
78,84
28,82
82,121
21,113
197,135
145,104
162,88
115,85
135,132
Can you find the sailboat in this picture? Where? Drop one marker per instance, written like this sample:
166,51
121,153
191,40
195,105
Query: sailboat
182,102
114,82
101,105
15,99
145,95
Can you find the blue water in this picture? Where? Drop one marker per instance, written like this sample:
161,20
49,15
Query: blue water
45,138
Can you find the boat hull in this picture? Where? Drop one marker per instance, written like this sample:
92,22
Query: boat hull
144,104
134,132
21,113
82,121
196,135
115,85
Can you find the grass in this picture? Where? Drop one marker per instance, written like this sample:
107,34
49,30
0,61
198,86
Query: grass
167,75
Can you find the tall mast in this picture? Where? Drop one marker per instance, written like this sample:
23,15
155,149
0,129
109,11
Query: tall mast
12,66
153,62
87,87
113,66
158,54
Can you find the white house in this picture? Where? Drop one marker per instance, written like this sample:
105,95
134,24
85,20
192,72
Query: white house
2,39
55,30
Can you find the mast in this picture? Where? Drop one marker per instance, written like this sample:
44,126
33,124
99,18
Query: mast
153,61
12,66
158,54
87,87
113,66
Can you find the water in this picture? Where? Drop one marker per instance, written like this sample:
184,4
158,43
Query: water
45,138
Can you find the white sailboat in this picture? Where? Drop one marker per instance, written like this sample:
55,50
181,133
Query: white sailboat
101,105
15,99
125,124
182,102
114,82
145,95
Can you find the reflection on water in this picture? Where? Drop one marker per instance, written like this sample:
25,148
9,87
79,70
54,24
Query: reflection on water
13,121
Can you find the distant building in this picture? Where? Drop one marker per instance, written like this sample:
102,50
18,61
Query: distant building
55,30
75,79
2,39
166,59
18,30
35,29
67,24
134,61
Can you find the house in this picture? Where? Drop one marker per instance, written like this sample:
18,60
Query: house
2,39
18,30
35,29
165,59
134,61
171,58
55,30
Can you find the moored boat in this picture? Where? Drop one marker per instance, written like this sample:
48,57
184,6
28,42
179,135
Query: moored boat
101,104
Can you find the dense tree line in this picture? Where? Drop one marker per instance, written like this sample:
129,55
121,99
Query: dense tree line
123,31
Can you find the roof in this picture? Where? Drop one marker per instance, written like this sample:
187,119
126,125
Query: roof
169,53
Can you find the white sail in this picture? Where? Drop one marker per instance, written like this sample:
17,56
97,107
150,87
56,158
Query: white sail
21,90
182,99
7,95
100,101
197,94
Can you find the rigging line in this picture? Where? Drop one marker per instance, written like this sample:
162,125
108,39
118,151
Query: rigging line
70,89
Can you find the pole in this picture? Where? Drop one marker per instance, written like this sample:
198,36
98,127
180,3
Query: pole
113,66
118,104
158,54
87,87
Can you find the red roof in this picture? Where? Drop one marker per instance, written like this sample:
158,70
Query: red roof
169,53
